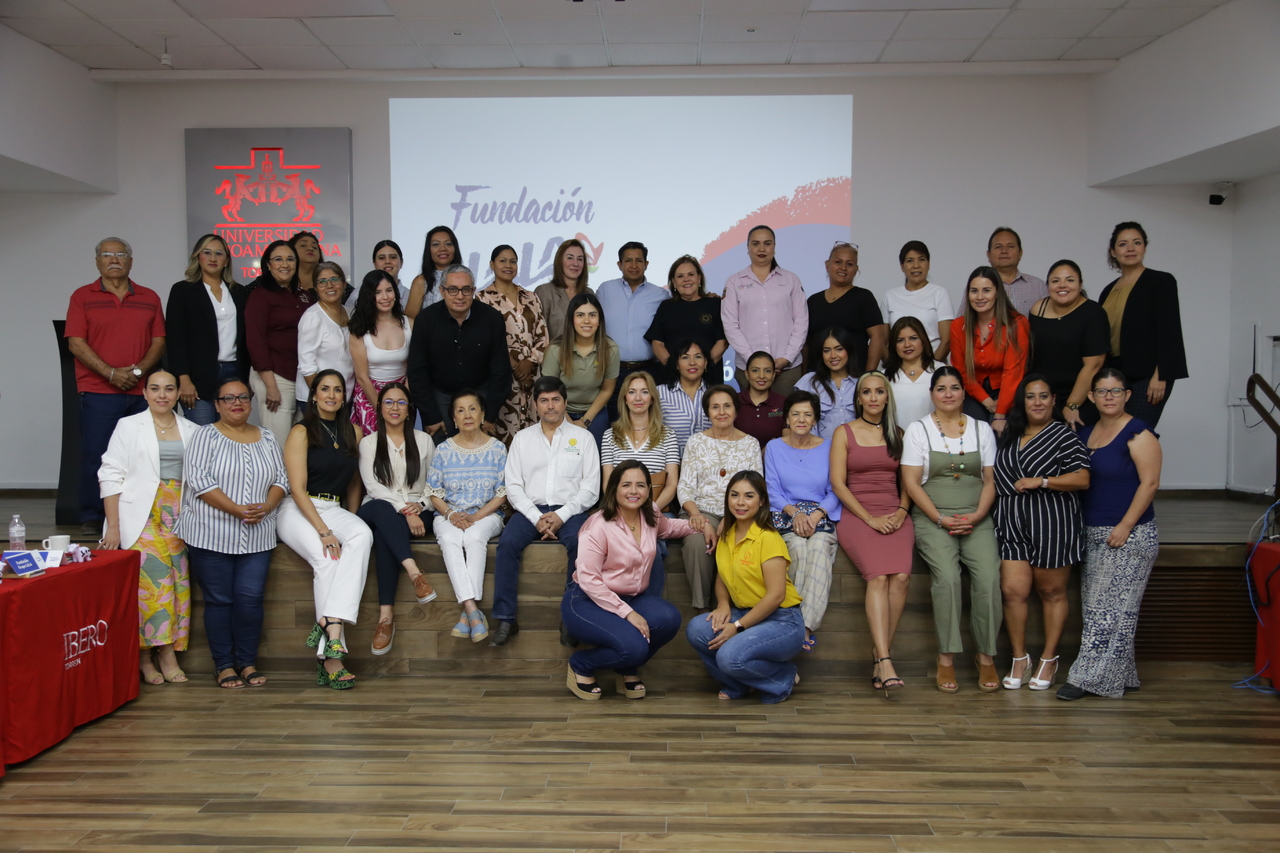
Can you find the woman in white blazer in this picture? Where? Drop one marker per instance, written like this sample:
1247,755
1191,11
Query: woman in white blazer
141,486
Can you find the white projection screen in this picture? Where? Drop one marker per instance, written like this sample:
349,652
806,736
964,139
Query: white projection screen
683,175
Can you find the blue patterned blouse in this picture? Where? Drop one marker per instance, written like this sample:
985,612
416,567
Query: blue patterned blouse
467,479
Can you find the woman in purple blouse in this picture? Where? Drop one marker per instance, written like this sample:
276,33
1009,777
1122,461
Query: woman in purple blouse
805,507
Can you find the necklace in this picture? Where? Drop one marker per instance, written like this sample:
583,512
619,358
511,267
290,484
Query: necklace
169,427
333,433
865,421
947,445
720,454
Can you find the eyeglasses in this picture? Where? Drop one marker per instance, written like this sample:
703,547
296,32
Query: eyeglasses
395,404
278,259
331,280
213,253
109,255
843,244
234,398
1105,393
457,291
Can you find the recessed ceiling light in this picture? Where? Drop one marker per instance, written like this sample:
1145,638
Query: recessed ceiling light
751,29
457,32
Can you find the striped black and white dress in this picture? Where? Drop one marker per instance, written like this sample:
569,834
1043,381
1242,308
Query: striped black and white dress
245,473
1040,526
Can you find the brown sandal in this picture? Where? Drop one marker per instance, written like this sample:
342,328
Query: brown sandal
988,678
947,675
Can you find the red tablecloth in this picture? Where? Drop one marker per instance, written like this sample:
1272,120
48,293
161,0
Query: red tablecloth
1266,589
68,650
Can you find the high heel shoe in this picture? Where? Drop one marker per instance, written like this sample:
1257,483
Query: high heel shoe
333,648
630,689
893,682
988,678
1011,683
1039,683
583,690
947,675
876,681
333,680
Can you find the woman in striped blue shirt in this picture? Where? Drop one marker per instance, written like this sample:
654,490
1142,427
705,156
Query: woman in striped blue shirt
681,398
234,480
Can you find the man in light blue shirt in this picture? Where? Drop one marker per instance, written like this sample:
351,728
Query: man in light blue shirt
629,304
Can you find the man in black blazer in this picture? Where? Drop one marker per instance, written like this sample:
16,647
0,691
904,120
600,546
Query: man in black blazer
458,343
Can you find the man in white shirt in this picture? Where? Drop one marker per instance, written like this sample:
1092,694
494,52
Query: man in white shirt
553,480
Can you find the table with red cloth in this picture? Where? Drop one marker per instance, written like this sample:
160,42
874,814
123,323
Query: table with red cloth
68,650
1266,591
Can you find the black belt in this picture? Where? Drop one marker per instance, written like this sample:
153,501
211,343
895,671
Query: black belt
635,365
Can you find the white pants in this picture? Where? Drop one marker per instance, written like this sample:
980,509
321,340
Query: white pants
281,420
337,584
465,553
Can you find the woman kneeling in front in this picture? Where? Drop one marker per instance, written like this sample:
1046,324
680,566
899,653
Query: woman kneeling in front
748,641
609,602
321,457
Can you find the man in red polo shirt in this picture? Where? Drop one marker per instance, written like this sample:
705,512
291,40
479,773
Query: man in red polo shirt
115,330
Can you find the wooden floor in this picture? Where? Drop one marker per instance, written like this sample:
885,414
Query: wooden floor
508,760
514,763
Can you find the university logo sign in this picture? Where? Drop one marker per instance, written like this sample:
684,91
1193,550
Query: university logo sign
78,643
252,186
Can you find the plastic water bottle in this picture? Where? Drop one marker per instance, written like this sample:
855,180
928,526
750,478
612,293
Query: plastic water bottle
17,534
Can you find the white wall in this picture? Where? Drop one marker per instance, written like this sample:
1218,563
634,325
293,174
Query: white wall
1210,83
59,135
1255,303
929,162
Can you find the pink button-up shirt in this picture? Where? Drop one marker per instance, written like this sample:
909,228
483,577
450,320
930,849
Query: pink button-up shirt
771,315
611,563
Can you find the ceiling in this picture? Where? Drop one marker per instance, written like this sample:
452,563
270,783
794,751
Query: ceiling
336,35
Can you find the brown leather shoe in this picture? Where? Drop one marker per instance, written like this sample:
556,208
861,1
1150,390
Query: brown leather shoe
422,589
383,636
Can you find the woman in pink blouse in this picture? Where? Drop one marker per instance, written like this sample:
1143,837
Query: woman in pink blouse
610,603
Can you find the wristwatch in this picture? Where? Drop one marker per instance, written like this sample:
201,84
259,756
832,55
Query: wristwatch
586,422
1044,483
137,371
737,623
1073,406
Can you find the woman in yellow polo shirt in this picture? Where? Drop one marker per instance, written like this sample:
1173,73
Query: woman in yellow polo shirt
748,641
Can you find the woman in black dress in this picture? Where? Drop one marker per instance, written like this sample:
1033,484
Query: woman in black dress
1039,468
691,314
1146,325
1071,338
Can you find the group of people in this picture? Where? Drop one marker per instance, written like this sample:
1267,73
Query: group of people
383,407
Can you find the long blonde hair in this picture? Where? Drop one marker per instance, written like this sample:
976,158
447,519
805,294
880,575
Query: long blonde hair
889,418
622,426
193,266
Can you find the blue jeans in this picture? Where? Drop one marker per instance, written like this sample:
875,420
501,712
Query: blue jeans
619,645
99,414
204,412
234,586
516,536
599,425
759,657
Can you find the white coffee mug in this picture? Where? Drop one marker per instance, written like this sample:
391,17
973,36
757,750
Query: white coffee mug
56,543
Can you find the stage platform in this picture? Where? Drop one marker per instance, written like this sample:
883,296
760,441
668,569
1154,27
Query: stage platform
1196,607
